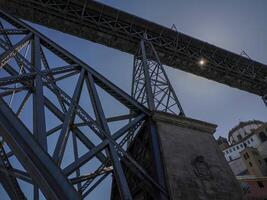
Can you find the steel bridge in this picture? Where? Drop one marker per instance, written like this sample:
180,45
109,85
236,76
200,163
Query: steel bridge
117,29
32,82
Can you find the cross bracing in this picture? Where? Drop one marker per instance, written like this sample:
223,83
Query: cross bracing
117,29
150,84
57,119
54,126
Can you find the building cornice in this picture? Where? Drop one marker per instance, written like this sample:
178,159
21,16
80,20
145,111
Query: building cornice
185,122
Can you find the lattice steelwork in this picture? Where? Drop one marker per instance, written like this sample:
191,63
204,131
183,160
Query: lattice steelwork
103,24
57,133
151,85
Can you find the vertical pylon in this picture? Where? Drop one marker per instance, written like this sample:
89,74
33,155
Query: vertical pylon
150,84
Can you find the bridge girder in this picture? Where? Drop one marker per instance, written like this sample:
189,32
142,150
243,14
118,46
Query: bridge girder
24,75
114,28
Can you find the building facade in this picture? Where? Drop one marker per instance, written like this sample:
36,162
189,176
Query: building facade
246,148
254,188
246,153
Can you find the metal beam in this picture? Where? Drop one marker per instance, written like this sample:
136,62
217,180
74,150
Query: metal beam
150,83
17,174
54,184
100,80
39,127
101,119
13,31
39,165
9,182
89,155
157,158
149,93
117,29
101,157
69,117
12,52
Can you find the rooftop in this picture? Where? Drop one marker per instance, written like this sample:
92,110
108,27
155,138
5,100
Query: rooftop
242,125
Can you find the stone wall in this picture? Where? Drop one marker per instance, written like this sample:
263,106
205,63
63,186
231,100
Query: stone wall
195,166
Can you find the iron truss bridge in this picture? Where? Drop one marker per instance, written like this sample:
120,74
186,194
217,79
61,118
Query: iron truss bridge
59,136
114,28
65,129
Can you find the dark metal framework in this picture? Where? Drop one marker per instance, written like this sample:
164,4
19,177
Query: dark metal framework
55,101
29,79
115,28
150,84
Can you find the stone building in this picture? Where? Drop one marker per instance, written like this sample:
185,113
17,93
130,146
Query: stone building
194,166
246,148
253,162
254,188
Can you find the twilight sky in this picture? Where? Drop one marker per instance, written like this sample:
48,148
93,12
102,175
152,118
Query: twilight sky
235,25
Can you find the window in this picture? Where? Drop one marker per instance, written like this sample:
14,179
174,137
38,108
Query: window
246,156
241,145
227,151
251,139
245,145
262,136
239,137
230,150
248,142
260,184
230,158
250,164
237,147
234,148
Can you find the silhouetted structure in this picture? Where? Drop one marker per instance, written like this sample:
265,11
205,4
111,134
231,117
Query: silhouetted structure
163,160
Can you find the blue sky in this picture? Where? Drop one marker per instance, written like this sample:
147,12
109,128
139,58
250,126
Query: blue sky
235,25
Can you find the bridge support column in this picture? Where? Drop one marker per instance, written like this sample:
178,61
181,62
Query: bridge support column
194,166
